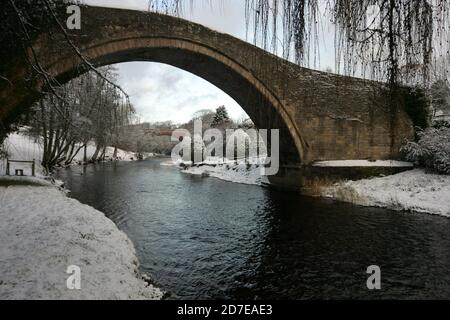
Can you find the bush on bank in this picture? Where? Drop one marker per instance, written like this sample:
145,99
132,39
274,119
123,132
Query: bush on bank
432,149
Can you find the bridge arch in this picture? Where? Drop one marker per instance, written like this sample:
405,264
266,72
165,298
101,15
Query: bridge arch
259,102
321,116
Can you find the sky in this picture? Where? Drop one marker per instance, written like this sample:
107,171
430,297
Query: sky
161,92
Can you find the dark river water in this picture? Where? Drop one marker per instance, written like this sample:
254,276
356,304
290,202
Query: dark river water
207,238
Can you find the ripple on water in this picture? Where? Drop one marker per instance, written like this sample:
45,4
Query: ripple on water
206,238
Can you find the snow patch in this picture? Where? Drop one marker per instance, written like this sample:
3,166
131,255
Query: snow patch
413,190
43,232
22,147
363,163
224,169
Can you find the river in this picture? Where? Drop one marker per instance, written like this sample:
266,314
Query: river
203,238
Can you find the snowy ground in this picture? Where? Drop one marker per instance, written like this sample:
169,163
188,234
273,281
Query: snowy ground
363,163
238,172
43,232
413,190
21,147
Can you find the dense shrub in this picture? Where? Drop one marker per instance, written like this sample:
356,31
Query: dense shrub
432,150
438,124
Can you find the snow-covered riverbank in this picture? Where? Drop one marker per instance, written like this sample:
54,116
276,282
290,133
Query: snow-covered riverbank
231,171
43,232
413,190
21,147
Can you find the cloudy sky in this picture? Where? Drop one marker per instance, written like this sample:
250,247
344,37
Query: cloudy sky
162,92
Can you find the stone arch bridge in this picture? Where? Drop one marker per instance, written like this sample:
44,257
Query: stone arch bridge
321,116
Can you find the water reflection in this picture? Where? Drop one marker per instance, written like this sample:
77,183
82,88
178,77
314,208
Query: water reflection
206,238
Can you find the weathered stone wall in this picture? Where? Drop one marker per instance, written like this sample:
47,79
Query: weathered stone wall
321,116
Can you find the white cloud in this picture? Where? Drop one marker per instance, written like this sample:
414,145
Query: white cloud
161,92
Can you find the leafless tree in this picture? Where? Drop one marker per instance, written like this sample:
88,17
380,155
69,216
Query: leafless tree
90,110
21,22
389,40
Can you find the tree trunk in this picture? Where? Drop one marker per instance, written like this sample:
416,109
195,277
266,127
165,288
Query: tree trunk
95,155
85,154
102,157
